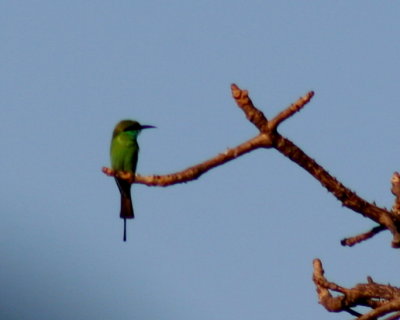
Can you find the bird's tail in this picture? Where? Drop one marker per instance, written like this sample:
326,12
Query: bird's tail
126,207
126,202
124,229
126,210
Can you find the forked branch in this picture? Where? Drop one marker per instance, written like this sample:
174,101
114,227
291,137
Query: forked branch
269,137
383,300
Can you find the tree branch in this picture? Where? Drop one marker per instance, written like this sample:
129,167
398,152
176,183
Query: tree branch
362,237
396,192
347,197
196,171
244,102
382,299
269,137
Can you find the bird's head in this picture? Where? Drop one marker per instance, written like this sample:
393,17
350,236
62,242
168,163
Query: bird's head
129,125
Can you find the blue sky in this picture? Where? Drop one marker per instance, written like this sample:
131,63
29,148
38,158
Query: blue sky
239,242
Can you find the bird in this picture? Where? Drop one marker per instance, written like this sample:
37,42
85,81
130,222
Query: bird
124,151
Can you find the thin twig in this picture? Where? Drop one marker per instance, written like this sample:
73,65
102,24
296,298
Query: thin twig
349,242
290,111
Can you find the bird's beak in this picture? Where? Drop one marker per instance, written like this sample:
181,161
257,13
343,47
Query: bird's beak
147,127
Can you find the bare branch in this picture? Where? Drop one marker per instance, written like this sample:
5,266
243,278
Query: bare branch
395,316
382,299
362,237
192,173
269,137
382,310
244,102
348,198
290,111
396,192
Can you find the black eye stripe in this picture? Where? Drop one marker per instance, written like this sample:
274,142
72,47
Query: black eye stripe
133,127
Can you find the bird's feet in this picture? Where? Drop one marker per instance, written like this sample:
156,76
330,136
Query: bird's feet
128,176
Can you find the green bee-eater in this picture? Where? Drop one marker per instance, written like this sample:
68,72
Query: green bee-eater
124,152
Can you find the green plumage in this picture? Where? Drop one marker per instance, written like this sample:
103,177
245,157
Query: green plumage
124,152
